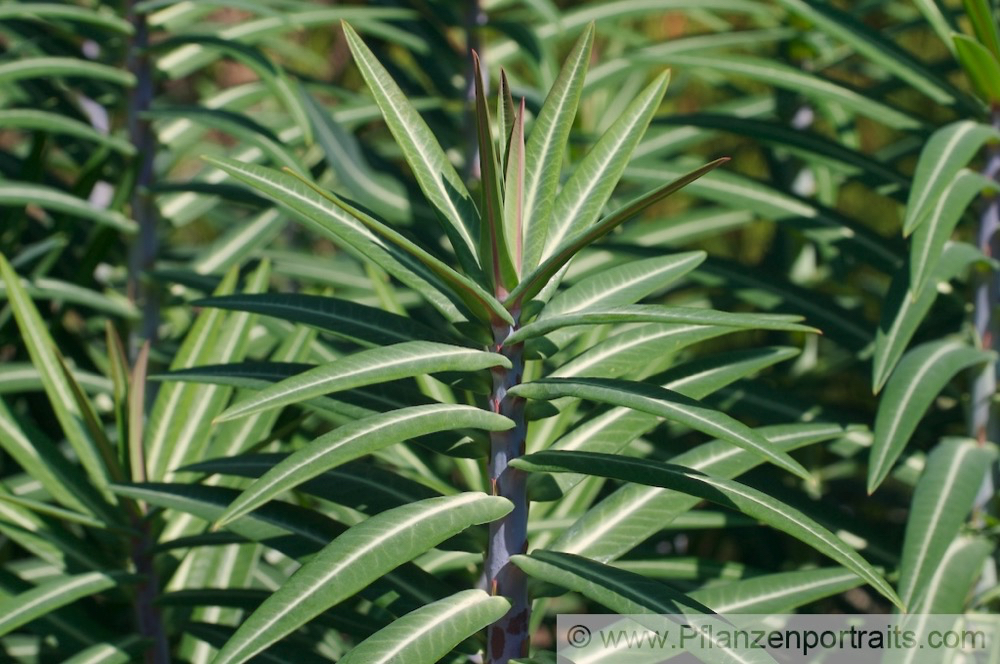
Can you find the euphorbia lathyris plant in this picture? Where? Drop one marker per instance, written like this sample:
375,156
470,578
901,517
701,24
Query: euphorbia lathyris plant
496,302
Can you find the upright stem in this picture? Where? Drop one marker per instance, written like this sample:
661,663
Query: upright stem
142,253
147,613
984,420
508,637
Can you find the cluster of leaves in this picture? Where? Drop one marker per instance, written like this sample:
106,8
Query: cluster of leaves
312,477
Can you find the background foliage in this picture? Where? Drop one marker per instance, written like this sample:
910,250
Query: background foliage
860,195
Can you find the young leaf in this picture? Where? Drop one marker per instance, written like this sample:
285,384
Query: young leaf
513,197
981,66
534,282
354,560
494,254
546,145
434,173
505,120
585,194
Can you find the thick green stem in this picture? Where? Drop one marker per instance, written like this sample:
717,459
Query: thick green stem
508,637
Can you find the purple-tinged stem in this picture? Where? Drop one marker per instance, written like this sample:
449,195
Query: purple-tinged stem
508,638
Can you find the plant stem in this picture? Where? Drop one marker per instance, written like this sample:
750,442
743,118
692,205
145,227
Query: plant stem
147,613
144,247
508,637
984,422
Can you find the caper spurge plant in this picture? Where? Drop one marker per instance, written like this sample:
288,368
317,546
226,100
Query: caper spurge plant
493,301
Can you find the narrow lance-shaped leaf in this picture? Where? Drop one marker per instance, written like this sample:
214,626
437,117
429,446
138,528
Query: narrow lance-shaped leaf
434,173
585,194
368,367
47,198
984,23
58,124
546,145
935,230
354,560
949,150
330,220
357,439
505,119
478,300
723,492
494,254
52,11
915,384
53,67
981,66
533,283
31,604
60,393
650,313
430,632
513,197
663,403
905,309
941,503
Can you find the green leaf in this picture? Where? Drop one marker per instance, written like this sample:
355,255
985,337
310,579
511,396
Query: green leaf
20,194
178,428
905,308
941,503
798,81
534,282
362,324
59,124
984,24
55,12
874,46
58,387
434,173
585,194
663,403
121,651
54,67
652,313
331,221
915,384
623,284
947,151
430,632
513,197
721,491
981,66
506,117
383,195
777,593
633,513
478,300
37,602
494,253
546,146
937,226
368,367
354,560
948,588
357,439
621,591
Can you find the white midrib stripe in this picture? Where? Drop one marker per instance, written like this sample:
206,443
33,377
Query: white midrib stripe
621,286
735,606
911,387
433,622
370,545
456,218
934,520
558,232
941,162
63,588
